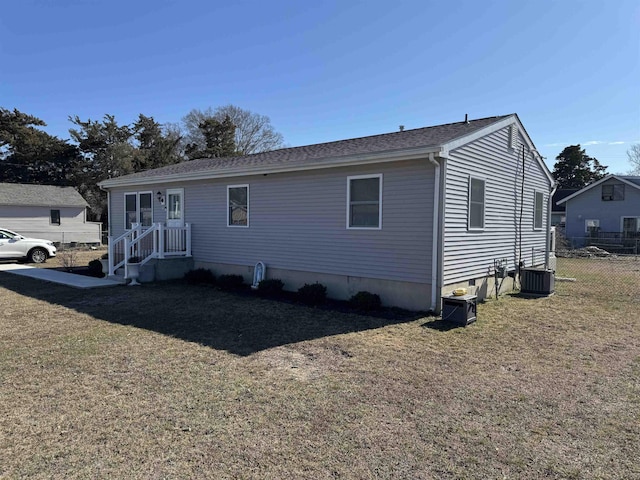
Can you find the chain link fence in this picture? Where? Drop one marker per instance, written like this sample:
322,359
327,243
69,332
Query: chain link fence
588,273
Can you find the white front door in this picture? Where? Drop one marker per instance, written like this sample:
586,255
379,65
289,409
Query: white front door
175,240
175,207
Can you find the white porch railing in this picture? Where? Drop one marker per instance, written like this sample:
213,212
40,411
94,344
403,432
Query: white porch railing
156,241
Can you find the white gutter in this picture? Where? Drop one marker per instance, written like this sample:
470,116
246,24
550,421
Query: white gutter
435,259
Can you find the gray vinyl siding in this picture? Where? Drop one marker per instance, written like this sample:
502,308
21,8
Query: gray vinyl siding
35,221
590,206
471,254
297,221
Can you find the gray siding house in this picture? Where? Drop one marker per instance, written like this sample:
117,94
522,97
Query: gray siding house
47,211
606,212
407,215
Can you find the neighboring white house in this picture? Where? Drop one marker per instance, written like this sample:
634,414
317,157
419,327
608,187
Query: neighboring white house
47,211
408,215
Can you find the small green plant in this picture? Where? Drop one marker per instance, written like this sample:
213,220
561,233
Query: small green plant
105,256
200,275
230,282
271,287
95,268
312,294
134,259
366,301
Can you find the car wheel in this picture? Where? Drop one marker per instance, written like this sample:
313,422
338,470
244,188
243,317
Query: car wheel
38,255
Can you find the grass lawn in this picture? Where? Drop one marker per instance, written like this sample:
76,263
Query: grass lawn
176,381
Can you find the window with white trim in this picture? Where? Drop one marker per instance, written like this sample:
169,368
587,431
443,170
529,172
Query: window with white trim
591,226
538,210
138,208
238,205
476,203
364,201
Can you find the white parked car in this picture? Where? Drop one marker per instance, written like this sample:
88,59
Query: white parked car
15,246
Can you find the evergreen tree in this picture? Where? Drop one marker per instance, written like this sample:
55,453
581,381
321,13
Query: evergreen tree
575,169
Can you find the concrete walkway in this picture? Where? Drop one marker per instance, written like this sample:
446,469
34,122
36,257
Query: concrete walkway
55,276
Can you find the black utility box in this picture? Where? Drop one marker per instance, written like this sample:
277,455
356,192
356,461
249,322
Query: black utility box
459,309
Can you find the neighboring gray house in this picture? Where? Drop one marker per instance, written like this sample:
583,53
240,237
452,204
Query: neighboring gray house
47,211
407,215
605,212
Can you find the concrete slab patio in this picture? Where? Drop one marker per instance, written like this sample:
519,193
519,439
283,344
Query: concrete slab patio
55,276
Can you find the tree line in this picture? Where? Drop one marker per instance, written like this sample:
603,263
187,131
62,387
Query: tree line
101,149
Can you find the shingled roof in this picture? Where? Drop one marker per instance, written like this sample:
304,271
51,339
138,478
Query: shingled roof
40,195
317,155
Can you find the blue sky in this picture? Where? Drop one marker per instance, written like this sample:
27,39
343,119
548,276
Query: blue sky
331,70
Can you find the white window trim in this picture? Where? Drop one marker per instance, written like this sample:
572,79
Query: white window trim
627,216
535,197
484,204
363,177
137,194
245,185
587,220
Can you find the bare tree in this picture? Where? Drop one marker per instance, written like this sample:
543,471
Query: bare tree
254,132
634,159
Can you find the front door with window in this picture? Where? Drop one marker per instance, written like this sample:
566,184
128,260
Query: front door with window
175,207
175,240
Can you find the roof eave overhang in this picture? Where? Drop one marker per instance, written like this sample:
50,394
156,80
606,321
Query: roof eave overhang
352,160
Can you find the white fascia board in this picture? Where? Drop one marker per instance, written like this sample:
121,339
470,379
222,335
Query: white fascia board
595,184
350,161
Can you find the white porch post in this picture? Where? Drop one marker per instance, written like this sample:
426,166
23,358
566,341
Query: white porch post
160,240
111,255
127,253
188,252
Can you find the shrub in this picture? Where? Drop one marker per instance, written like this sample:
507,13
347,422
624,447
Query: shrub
105,256
366,301
200,275
95,268
230,282
312,294
272,286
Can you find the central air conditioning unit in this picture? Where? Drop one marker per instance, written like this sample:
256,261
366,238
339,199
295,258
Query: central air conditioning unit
537,282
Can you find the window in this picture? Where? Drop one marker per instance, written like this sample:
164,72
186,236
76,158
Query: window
55,217
538,210
476,204
591,226
364,201
630,227
613,192
238,205
138,209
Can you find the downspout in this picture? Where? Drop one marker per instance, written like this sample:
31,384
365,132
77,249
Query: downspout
435,258
548,241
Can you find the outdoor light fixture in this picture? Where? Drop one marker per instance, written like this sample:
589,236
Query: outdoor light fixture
160,197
